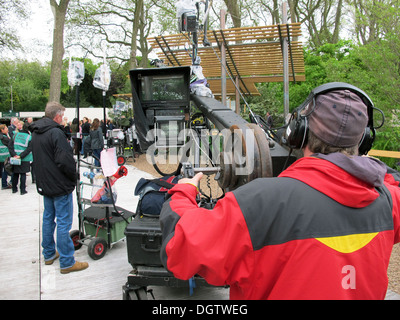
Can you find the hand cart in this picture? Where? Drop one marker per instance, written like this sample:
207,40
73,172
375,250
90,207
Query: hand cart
101,224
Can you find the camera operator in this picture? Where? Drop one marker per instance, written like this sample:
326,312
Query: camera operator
323,229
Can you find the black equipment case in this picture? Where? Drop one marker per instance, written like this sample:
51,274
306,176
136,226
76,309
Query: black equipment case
143,239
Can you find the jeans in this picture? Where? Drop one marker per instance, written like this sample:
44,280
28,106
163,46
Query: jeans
96,153
60,208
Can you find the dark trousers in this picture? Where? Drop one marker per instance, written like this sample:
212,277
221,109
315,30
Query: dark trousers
33,174
4,175
15,179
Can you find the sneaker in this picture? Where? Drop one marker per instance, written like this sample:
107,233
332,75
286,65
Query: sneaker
49,262
78,266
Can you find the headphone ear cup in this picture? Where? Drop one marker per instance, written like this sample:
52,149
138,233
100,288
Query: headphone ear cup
366,141
297,132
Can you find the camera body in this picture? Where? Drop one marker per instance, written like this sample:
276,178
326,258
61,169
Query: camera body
188,22
187,15
161,99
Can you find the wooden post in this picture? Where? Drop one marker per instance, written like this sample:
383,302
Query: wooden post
223,59
237,101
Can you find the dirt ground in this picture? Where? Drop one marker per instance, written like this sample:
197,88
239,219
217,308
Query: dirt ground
394,265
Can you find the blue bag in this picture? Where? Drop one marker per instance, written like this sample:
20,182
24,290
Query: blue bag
153,193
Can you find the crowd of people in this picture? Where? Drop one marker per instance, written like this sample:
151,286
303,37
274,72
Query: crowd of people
15,142
78,130
45,148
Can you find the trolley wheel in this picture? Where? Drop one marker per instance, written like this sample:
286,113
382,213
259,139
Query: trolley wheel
138,294
121,160
75,236
97,248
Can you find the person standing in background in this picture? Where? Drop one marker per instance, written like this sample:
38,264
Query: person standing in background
20,148
56,178
4,153
95,141
12,127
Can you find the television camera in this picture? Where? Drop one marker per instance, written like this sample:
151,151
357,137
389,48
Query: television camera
177,118
171,115
167,116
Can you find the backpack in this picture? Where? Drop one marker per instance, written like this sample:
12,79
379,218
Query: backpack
8,167
153,193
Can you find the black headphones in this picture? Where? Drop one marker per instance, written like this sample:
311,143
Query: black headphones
297,129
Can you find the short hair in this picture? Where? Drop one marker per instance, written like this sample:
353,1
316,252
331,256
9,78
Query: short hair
53,109
316,145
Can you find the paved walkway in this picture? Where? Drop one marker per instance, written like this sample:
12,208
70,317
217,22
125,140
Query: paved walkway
23,274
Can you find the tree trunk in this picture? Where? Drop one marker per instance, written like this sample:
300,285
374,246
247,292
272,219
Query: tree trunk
59,12
234,12
135,32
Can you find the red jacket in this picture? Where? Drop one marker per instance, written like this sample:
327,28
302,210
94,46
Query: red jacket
316,232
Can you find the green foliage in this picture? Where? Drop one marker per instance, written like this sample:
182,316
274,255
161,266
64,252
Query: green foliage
373,67
29,82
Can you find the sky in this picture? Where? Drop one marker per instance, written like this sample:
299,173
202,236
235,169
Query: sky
36,34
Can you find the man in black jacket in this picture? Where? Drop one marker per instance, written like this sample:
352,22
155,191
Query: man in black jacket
56,176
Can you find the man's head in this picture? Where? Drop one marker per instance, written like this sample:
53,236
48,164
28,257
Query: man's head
14,121
338,115
54,111
339,118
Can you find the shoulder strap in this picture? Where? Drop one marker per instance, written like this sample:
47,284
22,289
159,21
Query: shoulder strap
163,183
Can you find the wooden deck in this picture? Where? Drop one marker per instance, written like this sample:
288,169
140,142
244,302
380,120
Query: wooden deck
23,274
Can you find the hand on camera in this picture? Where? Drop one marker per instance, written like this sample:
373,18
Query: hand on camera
193,181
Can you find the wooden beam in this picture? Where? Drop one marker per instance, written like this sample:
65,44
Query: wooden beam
384,153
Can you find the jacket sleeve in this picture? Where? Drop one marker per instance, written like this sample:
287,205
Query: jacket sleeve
87,144
214,244
11,148
27,151
395,194
392,176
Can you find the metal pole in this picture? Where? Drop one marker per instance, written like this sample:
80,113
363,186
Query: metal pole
285,65
12,106
104,114
78,182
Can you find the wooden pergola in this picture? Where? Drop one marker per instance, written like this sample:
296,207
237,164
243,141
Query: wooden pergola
251,55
